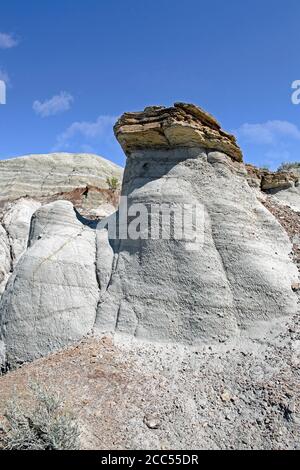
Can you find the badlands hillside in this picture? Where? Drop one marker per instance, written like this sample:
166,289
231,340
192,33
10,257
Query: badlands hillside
29,182
152,344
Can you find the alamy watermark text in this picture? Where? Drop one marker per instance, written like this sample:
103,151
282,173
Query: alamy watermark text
2,92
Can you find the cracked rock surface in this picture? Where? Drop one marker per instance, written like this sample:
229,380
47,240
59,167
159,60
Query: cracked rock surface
51,297
28,182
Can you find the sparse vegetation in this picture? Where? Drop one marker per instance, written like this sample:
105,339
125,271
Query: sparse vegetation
113,183
47,426
286,166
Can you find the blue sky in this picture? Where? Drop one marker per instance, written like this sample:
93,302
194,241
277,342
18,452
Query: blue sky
73,66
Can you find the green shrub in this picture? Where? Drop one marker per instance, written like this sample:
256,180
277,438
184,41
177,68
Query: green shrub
45,427
113,183
288,165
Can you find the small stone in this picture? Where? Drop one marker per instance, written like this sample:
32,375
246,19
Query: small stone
295,286
225,396
152,422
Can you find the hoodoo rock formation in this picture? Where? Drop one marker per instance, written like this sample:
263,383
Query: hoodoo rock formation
242,273
73,280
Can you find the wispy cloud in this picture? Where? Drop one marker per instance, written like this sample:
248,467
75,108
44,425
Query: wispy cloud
268,132
270,142
56,104
86,134
7,41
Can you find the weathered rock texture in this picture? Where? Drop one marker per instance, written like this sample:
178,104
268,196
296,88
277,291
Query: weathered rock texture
28,182
33,302
41,176
290,220
216,397
16,222
51,297
241,275
5,259
184,125
14,231
284,185
73,280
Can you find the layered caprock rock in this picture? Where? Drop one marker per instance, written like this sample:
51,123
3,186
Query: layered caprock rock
184,125
284,185
241,274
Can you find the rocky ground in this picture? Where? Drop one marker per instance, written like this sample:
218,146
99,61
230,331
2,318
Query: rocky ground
129,394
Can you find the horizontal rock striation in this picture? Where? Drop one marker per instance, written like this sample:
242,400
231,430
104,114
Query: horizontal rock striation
284,185
37,176
268,180
183,125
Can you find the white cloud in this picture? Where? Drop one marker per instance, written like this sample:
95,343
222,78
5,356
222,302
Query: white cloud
7,41
89,132
269,143
56,104
269,132
275,157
